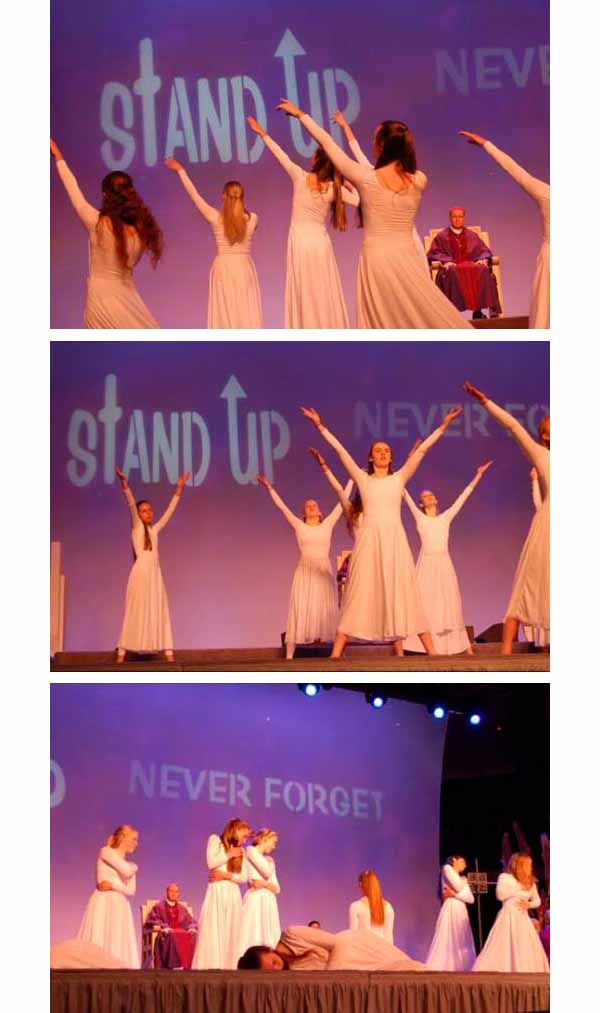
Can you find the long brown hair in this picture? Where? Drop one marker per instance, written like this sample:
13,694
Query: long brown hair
371,888
147,539
230,839
397,145
518,862
326,172
234,214
122,204
117,835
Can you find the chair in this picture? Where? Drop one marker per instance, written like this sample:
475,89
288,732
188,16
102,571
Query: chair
149,936
435,265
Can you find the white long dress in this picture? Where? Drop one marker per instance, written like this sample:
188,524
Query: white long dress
536,635
452,947
108,919
392,288
260,913
530,596
313,612
360,156
313,290
539,311
147,623
382,600
437,579
513,944
352,950
359,919
112,300
218,941
233,290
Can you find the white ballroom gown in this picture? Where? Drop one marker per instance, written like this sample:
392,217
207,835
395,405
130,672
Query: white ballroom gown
382,600
108,919
530,596
539,311
392,287
352,950
313,290
313,612
218,941
234,292
437,579
513,944
452,947
147,624
359,919
260,912
112,300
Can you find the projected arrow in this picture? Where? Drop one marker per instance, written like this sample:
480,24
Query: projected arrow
287,51
232,392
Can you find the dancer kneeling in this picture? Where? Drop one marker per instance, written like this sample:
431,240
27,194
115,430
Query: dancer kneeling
304,949
372,912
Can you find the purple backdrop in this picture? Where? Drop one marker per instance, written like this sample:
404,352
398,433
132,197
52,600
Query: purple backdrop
131,85
137,753
229,410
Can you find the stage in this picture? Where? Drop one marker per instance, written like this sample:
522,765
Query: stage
296,992
358,658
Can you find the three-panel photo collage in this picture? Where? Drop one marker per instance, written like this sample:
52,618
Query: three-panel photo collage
273,457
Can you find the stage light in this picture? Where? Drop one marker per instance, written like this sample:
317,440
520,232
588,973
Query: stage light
439,712
309,688
475,718
376,700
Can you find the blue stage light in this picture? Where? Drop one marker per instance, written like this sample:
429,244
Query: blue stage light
475,719
310,688
439,712
376,700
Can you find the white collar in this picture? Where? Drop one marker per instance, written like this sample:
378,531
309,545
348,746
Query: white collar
457,232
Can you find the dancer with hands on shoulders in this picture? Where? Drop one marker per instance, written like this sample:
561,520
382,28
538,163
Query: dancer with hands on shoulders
260,913
218,943
452,947
513,944
108,919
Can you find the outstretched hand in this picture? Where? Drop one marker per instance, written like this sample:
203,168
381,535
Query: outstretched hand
264,481
122,477
452,414
477,394
55,150
289,108
484,467
472,138
312,414
255,126
318,457
173,164
182,480
339,118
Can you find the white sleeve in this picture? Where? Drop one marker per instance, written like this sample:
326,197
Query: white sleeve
463,890
343,494
293,170
353,922
347,460
87,214
530,447
412,506
536,188
534,897
274,881
287,513
388,924
347,166
166,517
123,867
535,493
507,886
412,463
343,505
206,210
133,510
358,153
459,502
350,197
128,888
259,862
215,853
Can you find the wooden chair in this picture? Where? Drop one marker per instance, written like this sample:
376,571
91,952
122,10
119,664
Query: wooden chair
149,936
435,265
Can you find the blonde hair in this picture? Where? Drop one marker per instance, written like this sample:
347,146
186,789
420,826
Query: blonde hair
371,888
263,834
518,863
117,835
234,214
229,839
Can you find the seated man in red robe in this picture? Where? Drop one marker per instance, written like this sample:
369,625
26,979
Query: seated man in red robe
465,276
174,947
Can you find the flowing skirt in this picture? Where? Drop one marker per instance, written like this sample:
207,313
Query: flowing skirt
513,945
530,596
114,302
313,290
312,613
452,947
108,922
218,942
147,623
442,602
234,293
539,312
393,290
260,920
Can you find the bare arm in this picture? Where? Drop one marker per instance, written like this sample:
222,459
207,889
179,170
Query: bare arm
86,213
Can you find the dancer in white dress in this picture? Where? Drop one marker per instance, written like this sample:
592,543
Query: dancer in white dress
392,288
382,600
313,290
147,623
360,156
530,597
108,918
536,635
218,942
306,949
513,944
312,614
233,292
119,234
372,913
452,947
260,913
539,311
436,575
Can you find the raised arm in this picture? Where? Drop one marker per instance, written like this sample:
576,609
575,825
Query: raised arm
412,506
342,493
536,494
415,458
536,188
462,890
334,515
460,501
206,210
347,166
166,517
294,521
87,214
530,447
133,510
293,170
349,463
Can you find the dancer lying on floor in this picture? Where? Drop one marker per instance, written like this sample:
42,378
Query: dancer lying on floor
304,949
